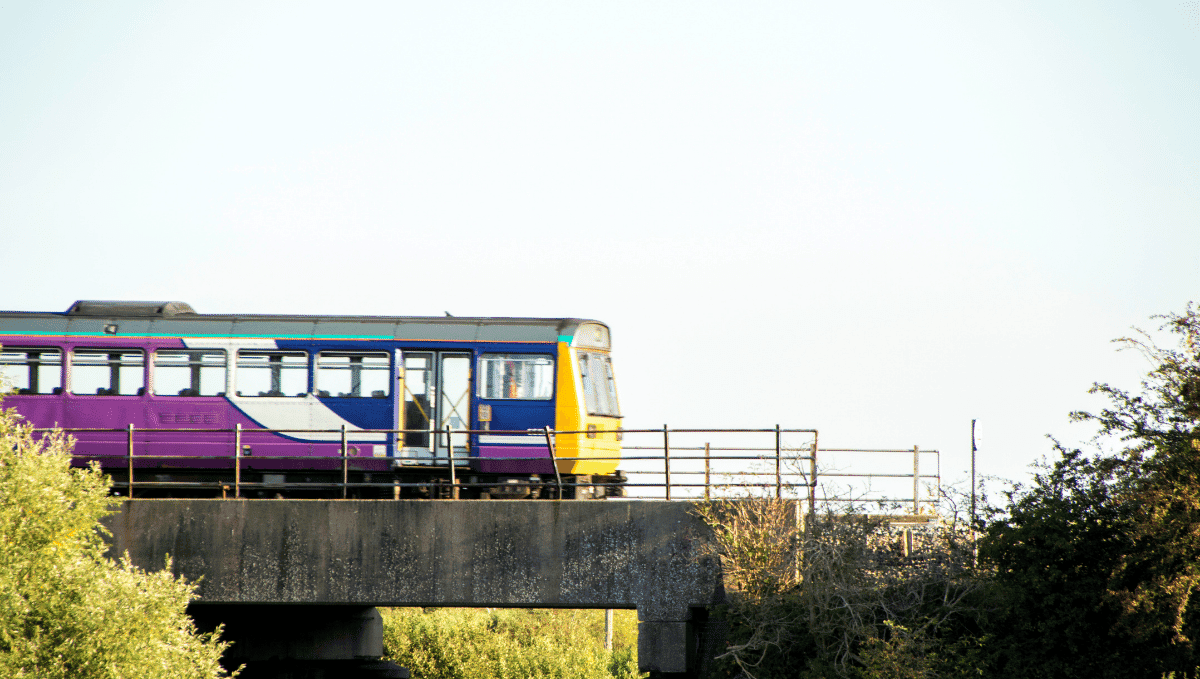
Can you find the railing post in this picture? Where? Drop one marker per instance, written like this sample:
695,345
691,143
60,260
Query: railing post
812,479
345,463
916,480
453,471
707,472
778,467
667,459
553,459
237,460
129,451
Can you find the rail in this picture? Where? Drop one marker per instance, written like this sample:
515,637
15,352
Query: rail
662,462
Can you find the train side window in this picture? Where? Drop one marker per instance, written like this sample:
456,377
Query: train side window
108,372
516,376
34,370
189,373
353,375
272,373
585,376
610,385
599,387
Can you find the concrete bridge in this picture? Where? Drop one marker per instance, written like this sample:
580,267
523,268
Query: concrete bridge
298,580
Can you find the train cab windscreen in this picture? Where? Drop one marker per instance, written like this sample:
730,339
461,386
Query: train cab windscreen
599,387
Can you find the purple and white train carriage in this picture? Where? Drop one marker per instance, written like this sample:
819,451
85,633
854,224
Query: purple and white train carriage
194,402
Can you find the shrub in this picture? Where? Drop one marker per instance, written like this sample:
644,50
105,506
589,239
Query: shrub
839,597
472,643
67,611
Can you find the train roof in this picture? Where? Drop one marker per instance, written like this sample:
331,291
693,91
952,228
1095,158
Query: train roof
179,319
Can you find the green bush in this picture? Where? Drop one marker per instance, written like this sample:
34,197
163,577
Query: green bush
474,643
67,611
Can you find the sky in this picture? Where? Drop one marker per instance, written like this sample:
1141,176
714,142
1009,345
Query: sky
880,220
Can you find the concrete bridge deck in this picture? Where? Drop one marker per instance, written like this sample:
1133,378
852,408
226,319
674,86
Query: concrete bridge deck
648,555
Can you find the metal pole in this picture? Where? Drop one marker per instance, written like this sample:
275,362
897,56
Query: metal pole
453,471
778,467
237,460
973,449
916,480
707,472
345,463
130,451
553,459
797,543
667,459
812,480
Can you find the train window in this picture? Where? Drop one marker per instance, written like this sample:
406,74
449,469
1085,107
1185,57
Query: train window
189,373
272,373
107,372
353,375
599,387
31,371
516,376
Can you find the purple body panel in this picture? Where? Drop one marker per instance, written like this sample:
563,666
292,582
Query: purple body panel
495,460
173,450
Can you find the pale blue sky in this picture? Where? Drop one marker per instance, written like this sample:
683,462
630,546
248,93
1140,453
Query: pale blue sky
878,219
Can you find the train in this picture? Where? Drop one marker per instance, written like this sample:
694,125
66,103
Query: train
175,403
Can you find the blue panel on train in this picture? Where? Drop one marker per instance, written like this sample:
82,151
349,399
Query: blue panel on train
520,415
365,413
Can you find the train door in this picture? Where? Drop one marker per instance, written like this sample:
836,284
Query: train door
454,405
436,389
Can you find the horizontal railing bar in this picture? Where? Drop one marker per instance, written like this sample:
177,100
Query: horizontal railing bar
827,474
368,456
874,450
527,432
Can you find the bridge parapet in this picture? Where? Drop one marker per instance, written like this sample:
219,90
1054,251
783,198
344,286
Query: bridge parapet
648,555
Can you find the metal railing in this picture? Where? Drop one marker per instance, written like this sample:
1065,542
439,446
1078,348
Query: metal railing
661,462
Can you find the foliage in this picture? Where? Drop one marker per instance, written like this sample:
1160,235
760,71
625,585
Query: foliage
65,609
1053,554
839,595
1098,562
472,643
912,654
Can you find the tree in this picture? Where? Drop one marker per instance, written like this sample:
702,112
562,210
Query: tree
1098,562
1157,577
1052,554
65,609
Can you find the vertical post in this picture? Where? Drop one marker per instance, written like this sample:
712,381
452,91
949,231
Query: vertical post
797,543
778,467
608,629
453,471
237,460
916,480
130,453
812,479
667,460
553,459
973,449
345,463
707,473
